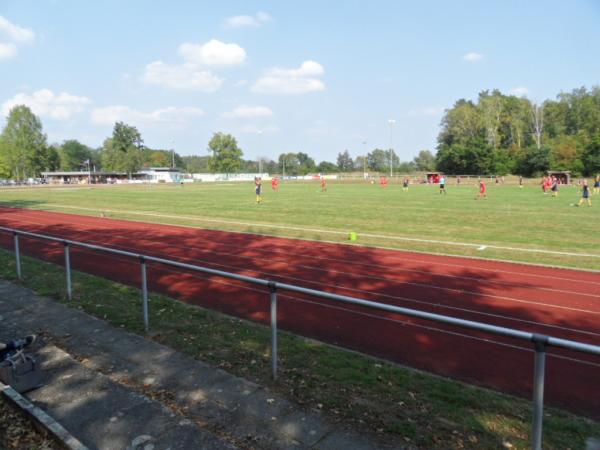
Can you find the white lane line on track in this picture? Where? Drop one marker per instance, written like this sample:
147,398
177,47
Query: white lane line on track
355,263
530,322
505,298
378,278
403,259
388,319
432,286
317,230
413,300
412,251
375,294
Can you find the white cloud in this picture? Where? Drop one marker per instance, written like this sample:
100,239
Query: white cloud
170,115
7,51
193,75
213,53
472,57
253,129
428,111
241,83
184,77
248,112
274,85
306,69
519,91
248,21
47,104
291,81
16,33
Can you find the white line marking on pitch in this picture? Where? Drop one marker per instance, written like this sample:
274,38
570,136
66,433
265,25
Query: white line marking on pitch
317,230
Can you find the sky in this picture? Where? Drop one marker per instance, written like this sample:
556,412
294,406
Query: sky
284,76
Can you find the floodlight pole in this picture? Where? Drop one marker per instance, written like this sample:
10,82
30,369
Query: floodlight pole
172,154
364,158
391,122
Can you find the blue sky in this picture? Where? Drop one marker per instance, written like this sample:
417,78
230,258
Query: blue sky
312,76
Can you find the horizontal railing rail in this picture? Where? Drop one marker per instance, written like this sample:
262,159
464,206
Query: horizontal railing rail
539,341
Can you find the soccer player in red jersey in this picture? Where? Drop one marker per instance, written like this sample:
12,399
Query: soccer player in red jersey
482,189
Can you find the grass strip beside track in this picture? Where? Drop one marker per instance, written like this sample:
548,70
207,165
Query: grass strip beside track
402,405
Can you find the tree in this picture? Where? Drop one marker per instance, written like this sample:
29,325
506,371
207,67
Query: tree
537,123
159,159
564,152
424,161
327,167
272,167
491,110
461,124
591,156
474,159
195,164
226,155
73,155
123,152
289,163
4,165
515,122
406,167
535,161
379,160
51,159
307,164
24,148
249,166
361,163
498,133
344,162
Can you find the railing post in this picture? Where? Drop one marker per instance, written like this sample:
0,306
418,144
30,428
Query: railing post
144,292
68,269
17,255
540,342
273,290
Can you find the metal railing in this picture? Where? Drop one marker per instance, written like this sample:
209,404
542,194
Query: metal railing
539,341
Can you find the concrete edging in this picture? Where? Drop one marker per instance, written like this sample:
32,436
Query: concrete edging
41,419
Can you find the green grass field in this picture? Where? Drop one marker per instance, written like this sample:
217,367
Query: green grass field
514,224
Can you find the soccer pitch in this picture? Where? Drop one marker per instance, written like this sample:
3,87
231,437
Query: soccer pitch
511,224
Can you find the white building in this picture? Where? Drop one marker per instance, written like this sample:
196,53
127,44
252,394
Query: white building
229,176
163,175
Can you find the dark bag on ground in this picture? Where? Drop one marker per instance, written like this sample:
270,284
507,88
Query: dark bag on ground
21,372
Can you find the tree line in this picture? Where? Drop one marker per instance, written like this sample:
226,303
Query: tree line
500,134
25,153
497,134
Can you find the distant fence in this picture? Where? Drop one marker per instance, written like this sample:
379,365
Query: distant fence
539,341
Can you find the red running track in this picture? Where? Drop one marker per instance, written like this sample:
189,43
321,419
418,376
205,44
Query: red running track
558,302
